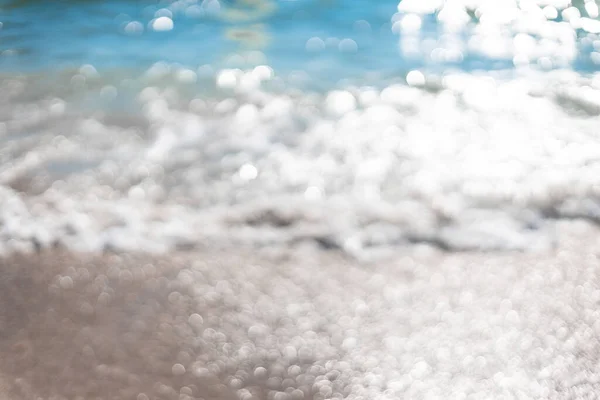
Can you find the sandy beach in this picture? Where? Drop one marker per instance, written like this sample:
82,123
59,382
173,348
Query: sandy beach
308,324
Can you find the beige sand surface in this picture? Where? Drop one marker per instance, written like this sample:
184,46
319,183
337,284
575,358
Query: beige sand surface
307,324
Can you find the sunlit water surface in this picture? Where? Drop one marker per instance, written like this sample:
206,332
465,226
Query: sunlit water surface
355,125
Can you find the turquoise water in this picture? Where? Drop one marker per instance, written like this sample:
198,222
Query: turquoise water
38,36
70,34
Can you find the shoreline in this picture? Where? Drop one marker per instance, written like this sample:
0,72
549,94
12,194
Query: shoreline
226,324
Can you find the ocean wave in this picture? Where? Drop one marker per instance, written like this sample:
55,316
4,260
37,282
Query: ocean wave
177,158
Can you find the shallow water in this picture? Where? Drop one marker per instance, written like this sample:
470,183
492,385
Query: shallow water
326,37
153,126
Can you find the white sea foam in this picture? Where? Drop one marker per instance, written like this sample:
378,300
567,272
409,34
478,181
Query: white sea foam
466,161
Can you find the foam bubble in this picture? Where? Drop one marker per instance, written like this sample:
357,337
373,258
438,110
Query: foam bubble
228,78
88,71
410,23
162,24
248,172
66,282
340,102
415,78
194,11
187,76
178,370
247,115
134,28
261,373
591,8
315,44
348,46
263,72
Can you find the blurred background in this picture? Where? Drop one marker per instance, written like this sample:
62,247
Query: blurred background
301,199
157,125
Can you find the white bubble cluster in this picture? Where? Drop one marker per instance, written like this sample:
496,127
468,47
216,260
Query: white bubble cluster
340,102
228,79
479,159
162,24
495,30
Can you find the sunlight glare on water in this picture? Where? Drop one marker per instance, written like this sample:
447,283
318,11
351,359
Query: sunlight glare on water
460,112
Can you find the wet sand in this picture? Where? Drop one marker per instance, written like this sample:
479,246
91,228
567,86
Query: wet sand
227,324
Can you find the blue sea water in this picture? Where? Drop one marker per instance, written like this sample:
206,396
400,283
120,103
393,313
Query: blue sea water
358,125
74,33
42,36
